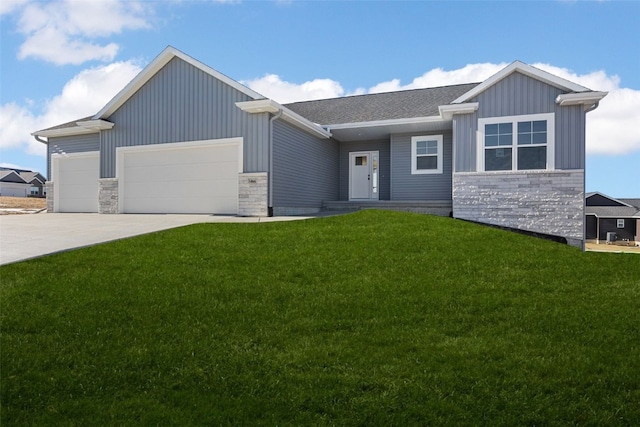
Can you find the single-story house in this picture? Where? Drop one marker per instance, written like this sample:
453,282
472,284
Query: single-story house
182,137
21,183
605,215
12,184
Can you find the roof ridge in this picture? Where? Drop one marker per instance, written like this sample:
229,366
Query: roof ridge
383,93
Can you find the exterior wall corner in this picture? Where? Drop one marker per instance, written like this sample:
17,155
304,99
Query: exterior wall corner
253,190
108,196
49,185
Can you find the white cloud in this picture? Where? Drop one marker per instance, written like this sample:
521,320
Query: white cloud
65,31
82,96
611,129
272,86
8,6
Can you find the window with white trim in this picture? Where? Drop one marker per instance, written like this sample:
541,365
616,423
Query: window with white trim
620,223
426,154
515,143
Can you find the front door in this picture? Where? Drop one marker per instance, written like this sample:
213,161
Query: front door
363,175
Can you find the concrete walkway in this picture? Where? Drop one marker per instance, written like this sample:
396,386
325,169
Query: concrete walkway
33,235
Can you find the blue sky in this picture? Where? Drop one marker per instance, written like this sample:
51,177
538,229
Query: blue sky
64,60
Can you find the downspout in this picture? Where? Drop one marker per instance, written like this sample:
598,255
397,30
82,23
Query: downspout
270,177
40,139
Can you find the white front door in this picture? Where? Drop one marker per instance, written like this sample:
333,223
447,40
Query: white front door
363,175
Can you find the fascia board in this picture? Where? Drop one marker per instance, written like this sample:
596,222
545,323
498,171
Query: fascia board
298,120
447,111
156,65
390,122
271,106
259,106
95,124
586,98
527,70
78,130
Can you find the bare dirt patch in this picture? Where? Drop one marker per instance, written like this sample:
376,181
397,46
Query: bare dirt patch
21,205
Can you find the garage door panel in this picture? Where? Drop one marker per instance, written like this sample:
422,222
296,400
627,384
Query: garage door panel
76,183
181,179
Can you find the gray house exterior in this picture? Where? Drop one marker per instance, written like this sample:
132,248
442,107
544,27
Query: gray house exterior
184,138
605,215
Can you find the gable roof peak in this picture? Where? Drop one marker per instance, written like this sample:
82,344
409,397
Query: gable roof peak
528,70
154,67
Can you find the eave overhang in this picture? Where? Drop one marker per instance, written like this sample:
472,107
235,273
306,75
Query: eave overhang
448,111
381,129
270,106
590,99
81,128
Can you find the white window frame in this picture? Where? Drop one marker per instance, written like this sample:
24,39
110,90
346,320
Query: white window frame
620,223
414,154
551,132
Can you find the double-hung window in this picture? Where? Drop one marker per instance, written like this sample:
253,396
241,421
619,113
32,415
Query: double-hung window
516,143
426,154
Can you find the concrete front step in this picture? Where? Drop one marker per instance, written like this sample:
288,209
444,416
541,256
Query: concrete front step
433,207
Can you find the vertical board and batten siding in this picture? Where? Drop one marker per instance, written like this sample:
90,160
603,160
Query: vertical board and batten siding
515,95
305,168
183,103
71,144
405,186
384,165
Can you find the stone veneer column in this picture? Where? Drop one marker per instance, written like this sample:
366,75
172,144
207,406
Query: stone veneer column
548,202
108,196
49,188
253,190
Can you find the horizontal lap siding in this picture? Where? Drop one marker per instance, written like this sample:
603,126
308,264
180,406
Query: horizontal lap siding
518,94
71,144
384,165
305,168
183,103
405,186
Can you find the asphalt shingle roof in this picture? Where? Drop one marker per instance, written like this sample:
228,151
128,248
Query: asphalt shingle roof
380,106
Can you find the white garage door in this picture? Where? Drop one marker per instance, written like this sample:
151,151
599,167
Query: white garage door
187,177
75,179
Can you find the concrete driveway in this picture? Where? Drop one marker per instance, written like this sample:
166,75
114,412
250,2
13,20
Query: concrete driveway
30,236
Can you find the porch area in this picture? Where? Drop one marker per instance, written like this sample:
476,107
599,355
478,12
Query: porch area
433,207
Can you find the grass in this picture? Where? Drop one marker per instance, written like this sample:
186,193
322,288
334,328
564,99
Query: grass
373,318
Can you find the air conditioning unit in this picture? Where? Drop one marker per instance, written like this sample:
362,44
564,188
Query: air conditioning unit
611,237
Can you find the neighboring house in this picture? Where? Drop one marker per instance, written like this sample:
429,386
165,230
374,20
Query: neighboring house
183,138
606,214
11,184
36,181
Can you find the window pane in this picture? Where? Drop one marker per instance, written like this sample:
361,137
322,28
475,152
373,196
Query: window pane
427,162
497,159
524,138
540,138
505,139
491,141
532,158
505,128
361,160
524,127
491,129
432,147
540,126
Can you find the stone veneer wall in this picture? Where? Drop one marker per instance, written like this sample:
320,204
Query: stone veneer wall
253,190
49,186
108,196
549,202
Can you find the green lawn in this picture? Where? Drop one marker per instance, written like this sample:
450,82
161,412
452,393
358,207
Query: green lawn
372,318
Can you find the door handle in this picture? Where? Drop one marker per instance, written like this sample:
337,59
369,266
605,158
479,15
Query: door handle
369,177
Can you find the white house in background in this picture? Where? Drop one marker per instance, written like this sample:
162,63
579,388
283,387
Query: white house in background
182,137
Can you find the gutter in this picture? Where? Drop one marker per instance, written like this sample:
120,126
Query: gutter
40,139
270,177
